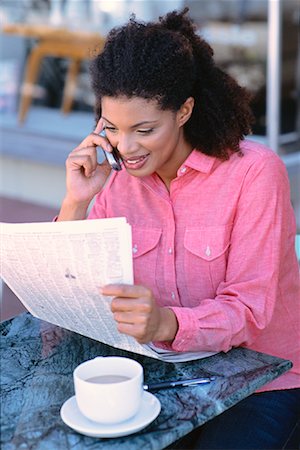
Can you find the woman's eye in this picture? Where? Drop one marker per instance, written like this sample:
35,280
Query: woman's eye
111,129
148,131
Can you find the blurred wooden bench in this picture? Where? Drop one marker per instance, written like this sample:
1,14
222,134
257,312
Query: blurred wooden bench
56,42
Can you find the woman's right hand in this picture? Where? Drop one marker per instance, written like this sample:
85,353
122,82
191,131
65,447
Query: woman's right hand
85,177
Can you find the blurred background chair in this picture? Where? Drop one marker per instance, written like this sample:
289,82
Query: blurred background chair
75,46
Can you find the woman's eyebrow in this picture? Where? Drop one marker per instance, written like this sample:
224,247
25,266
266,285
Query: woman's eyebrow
144,122
136,125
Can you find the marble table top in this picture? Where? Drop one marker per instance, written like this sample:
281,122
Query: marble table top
37,361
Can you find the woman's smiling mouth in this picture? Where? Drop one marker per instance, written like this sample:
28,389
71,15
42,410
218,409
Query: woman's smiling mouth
135,162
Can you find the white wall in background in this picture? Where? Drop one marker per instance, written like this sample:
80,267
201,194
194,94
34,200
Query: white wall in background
33,182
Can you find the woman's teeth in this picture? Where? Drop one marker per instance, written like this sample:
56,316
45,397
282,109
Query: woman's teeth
135,161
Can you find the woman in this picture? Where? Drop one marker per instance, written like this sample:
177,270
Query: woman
213,227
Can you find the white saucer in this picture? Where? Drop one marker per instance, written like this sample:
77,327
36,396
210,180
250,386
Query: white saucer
70,414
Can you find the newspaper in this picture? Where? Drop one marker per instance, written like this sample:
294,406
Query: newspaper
56,268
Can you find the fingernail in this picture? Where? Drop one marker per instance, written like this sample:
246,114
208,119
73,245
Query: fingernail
108,147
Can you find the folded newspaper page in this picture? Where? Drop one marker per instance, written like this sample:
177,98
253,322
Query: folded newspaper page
56,268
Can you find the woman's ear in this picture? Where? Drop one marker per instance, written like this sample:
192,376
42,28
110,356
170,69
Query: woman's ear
185,111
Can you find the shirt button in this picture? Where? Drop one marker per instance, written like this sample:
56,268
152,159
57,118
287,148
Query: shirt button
173,295
183,169
170,251
134,249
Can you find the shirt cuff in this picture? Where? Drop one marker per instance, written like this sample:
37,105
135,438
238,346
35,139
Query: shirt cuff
185,336
187,330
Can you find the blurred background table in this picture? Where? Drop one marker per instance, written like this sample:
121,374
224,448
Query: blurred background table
38,360
74,45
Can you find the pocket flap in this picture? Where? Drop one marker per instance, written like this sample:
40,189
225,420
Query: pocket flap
207,242
144,240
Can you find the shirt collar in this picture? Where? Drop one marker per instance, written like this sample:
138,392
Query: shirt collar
196,160
199,161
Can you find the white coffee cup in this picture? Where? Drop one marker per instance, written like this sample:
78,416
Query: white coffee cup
109,389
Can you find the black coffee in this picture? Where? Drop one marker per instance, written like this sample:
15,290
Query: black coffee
106,379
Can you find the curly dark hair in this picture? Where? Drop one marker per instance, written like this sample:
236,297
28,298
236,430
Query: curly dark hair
169,62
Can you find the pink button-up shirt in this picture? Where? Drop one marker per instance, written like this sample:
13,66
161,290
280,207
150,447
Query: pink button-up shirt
219,250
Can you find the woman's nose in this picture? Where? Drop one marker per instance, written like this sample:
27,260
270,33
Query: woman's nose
126,145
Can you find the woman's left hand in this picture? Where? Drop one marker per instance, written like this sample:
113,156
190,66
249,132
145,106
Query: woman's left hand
137,314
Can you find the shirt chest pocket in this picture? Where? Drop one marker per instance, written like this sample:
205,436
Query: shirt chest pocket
206,252
145,254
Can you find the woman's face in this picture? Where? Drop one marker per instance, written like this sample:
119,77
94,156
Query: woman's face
148,139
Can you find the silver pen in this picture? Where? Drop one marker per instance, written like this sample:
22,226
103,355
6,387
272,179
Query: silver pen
181,383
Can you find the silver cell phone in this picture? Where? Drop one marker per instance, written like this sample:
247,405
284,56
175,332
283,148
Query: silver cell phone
113,157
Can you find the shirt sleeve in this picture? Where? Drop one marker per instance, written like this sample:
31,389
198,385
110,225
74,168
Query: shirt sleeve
263,229
98,209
